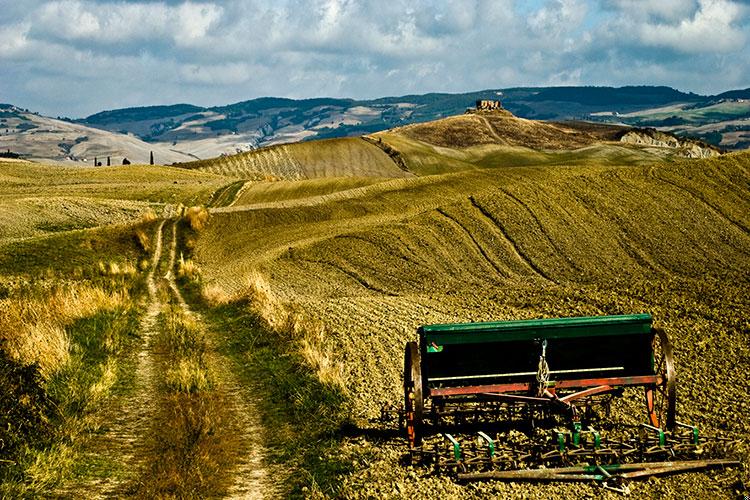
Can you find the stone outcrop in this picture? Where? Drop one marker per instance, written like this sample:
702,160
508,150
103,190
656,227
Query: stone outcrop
685,147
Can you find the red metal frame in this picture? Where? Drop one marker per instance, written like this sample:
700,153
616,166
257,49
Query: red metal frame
601,389
596,386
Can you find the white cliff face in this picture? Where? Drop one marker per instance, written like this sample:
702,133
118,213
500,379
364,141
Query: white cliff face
686,147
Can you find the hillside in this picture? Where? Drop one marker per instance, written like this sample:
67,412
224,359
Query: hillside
249,343
460,142
182,132
37,137
501,243
306,160
267,120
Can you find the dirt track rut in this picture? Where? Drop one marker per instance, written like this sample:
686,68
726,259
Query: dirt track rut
124,445
250,479
127,420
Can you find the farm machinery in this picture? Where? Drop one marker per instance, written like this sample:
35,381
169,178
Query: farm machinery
530,401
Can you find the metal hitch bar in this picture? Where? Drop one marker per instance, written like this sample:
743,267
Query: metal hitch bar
599,473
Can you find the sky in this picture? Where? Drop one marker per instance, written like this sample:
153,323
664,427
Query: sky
77,57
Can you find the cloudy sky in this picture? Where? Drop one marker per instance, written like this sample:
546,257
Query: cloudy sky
77,57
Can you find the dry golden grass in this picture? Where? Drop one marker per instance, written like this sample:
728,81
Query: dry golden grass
187,269
189,375
32,326
149,215
215,295
197,217
268,192
143,239
309,333
26,216
152,183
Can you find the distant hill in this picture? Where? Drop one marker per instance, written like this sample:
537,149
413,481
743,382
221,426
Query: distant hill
272,120
28,135
181,132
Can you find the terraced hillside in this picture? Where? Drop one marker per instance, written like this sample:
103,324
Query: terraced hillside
326,158
587,235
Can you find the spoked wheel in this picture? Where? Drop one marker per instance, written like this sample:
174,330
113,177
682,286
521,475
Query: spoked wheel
413,398
661,398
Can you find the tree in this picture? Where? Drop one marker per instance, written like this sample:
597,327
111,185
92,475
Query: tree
151,161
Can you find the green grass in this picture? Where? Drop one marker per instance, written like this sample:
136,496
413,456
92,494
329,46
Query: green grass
74,253
64,407
302,418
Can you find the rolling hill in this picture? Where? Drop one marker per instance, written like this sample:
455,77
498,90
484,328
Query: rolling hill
305,160
467,141
185,132
37,137
338,249
361,270
267,120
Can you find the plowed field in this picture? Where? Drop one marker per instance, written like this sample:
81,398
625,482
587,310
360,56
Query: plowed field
305,160
669,238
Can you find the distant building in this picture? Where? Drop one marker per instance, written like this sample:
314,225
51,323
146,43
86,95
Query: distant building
488,105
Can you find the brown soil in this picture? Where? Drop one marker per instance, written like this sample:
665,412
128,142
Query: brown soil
527,242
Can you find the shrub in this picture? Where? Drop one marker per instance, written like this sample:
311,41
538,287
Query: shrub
197,217
24,407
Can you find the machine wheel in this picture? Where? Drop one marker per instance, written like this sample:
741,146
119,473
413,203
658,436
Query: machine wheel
661,398
413,396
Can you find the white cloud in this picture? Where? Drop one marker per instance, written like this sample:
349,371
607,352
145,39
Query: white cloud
557,17
106,53
13,39
711,29
193,21
80,20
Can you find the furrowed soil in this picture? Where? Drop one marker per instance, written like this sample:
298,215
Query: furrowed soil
667,237
305,160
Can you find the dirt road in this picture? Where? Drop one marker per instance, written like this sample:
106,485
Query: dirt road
127,454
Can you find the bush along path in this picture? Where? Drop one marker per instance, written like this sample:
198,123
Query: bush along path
182,425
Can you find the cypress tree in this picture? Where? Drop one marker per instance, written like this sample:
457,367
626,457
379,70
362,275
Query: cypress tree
151,161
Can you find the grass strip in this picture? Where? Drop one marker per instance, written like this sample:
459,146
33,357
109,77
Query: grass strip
302,417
